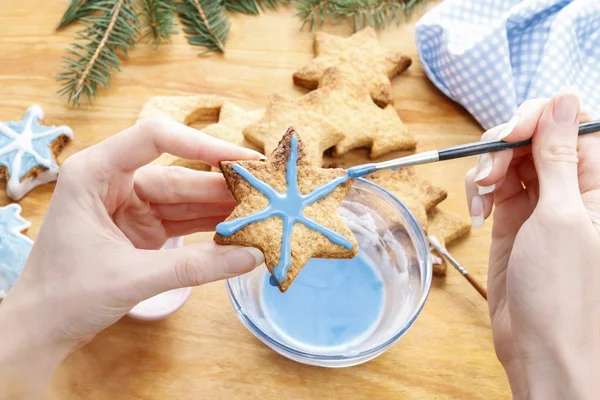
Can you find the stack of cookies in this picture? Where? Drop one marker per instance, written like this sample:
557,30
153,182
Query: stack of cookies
349,106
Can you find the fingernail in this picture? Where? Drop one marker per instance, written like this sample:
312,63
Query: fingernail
476,212
482,190
510,126
484,167
566,106
259,257
256,154
242,260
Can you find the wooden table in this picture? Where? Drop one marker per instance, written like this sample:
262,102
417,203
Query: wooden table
203,351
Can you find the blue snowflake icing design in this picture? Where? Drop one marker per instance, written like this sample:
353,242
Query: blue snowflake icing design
14,246
25,145
289,207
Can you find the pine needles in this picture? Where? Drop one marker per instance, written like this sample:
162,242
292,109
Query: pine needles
376,13
76,10
95,54
159,20
251,7
206,23
112,27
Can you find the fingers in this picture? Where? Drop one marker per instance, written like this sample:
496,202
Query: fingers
187,227
589,162
147,140
186,211
167,185
492,167
193,265
511,185
526,119
555,149
480,206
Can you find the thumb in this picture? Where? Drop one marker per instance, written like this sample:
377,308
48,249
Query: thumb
194,265
555,148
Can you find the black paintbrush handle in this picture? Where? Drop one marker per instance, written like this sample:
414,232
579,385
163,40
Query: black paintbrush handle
473,149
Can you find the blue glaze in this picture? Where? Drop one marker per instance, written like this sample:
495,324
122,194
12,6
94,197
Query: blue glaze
288,206
14,246
361,170
331,303
272,281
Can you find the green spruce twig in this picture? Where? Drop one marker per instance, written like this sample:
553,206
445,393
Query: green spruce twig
159,20
251,7
313,12
95,54
376,13
205,23
76,10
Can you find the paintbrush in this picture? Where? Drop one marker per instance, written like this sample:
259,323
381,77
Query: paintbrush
450,153
446,254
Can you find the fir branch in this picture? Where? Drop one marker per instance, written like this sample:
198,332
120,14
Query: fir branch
206,23
377,13
251,7
313,12
159,21
96,53
76,10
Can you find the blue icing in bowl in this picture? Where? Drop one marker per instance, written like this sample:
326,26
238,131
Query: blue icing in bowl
332,304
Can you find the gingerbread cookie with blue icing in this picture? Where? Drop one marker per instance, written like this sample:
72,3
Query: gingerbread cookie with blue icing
28,152
288,209
14,246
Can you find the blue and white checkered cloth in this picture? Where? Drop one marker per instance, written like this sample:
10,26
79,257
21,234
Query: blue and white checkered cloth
492,55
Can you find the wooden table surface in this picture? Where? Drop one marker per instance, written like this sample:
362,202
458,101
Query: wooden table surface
203,351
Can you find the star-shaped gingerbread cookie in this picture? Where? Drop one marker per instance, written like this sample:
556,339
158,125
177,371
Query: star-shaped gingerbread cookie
317,133
28,152
232,121
347,104
185,110
369,63
287,208
417,194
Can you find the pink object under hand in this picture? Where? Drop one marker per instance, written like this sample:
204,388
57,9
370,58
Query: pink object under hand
164,304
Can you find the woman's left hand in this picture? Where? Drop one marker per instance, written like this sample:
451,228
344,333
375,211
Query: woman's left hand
96,254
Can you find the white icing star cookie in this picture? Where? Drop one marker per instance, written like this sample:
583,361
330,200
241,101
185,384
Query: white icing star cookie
14,246
27,151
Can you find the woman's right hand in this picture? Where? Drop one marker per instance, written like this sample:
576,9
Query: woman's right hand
544,277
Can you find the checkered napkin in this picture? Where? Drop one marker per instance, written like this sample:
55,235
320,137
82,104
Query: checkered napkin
492,55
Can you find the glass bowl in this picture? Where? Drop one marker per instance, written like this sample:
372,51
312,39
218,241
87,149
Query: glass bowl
391,236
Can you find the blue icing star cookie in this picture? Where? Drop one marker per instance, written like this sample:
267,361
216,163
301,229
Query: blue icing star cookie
288,209
27,151
14,246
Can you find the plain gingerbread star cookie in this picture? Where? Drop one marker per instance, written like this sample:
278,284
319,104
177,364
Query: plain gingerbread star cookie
232,121
347,104
287,208
370,64
417,194
185,110
316,132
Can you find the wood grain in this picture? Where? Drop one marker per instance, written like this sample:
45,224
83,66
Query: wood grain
203,351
